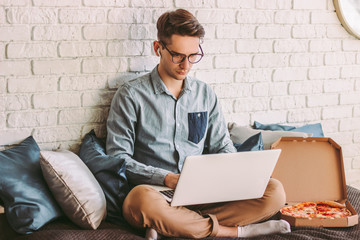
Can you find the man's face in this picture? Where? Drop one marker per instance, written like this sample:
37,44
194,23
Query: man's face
178,44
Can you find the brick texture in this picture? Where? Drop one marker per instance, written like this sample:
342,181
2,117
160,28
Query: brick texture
273,61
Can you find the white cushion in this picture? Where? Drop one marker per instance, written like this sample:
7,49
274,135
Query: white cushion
239,134
74,188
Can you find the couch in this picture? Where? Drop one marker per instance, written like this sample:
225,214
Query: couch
102,174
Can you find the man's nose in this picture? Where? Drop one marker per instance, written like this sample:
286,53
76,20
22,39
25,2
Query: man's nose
185,64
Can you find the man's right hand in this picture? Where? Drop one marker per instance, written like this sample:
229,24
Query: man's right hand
171,180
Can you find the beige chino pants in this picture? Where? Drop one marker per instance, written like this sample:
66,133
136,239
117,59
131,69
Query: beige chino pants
146,207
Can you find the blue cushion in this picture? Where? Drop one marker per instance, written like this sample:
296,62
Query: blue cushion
109,171
28,202
315,129
253,143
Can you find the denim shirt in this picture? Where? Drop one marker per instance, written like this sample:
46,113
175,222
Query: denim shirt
154,131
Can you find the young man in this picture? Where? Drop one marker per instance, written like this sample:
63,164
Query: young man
156,120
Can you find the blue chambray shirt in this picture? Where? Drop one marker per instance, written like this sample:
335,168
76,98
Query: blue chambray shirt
154,131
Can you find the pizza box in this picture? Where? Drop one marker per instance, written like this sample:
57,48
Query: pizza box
311,169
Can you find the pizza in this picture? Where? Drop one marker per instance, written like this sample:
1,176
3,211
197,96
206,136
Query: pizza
322,209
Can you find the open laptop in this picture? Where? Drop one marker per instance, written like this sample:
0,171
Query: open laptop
223,177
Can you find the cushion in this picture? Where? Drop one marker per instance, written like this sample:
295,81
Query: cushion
315,129
253,143
239,134
74,188
109,172
27,200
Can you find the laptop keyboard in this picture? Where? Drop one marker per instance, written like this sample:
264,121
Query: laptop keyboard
168,194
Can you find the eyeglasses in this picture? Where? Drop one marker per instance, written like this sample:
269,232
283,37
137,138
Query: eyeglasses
179,57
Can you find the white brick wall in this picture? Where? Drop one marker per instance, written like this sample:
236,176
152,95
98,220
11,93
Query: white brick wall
273,61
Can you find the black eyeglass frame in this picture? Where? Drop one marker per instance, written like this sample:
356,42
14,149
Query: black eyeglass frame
183,55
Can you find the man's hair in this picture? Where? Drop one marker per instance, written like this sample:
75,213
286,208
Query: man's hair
179,22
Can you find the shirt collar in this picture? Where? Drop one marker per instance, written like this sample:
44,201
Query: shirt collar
159,86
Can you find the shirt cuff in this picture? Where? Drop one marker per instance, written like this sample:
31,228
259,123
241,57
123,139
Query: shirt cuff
159,176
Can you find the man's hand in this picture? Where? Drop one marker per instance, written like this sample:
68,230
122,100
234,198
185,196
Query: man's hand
171,180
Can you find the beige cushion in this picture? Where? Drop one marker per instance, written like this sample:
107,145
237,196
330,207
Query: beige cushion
239,134
74,188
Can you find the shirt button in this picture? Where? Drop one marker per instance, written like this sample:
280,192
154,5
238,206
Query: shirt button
199,114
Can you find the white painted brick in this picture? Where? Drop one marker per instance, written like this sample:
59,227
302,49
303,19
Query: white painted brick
234,90
358,58
99,32
195,4
337,112
278,89
290,46
31,15
2,103
275,31
305,87
357,140
292,17
308,31
56,66
233,61
350,71
290,74
131,16
210,30
287,102
273,4
106,3
115,81
322,100
304,115
270,60
57,32
324,18
248,16
104,65
251,104
152,3
82,82
206,63
357,85
15,2
350,150
324,73
330,126
352,175
57,134
215,76
2,122
260,89
143,64
356,164
98,98
356,112
340,58
143,31
253,75
32,84
2,51
334,31
254,46
83,115
2,15
342,138
226,105
82,16
349,124
243,119
18,68
350,98
56,100
2,84
350,45
15,33
57,3
269,116
306,60
238,31
82,49
32,119
17,102
31,50
232,4
310,4
215,16
218,46
338,85
126,48
325,45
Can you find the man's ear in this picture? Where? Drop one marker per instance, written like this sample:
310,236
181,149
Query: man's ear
156,46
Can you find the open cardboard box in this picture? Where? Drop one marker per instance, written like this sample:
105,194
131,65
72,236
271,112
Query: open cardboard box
311,169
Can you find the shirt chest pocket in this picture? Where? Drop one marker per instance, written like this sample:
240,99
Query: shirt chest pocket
197,126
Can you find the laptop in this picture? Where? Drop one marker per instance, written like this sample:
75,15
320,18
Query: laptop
222,177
